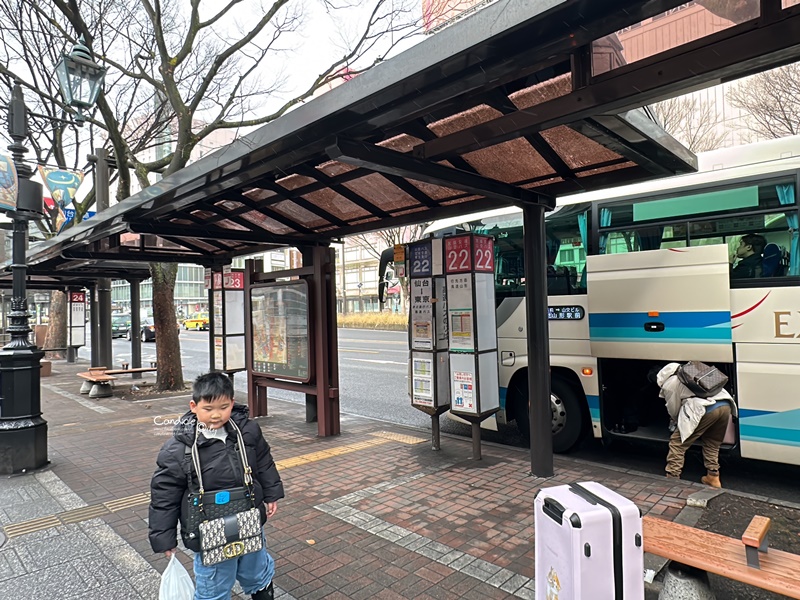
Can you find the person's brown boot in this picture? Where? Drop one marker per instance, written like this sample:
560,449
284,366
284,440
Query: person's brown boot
712,479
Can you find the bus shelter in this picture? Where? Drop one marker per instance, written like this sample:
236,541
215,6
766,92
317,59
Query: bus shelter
515,105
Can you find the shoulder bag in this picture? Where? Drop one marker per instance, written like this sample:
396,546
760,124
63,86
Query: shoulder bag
226,521
702,380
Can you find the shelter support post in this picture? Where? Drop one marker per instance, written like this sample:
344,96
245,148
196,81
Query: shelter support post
104,322
102,182
312,415
311,408
256,394
93,327
326,355
538,341
136,327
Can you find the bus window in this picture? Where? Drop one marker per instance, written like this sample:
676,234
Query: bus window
509,266
653,237
566,274
758,245
566,249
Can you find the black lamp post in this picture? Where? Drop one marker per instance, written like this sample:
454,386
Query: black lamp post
23,431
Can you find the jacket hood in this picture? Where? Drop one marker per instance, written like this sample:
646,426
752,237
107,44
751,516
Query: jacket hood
666,372
184,429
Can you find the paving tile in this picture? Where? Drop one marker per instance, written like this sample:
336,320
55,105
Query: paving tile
401,522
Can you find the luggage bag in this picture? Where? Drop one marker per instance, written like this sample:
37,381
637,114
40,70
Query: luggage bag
588,544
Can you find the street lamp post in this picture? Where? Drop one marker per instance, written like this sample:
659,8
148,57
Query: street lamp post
23,431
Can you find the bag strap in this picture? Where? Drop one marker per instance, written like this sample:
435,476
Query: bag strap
248,472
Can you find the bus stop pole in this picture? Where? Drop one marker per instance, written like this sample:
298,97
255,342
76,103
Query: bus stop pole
538,341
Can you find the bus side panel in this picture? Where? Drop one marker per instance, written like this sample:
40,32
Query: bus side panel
569,349
671,304
769,412
768,315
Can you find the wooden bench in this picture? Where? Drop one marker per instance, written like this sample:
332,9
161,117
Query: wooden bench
126,365
747,560
131,371
97,382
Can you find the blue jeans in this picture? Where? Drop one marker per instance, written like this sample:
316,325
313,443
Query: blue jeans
254,572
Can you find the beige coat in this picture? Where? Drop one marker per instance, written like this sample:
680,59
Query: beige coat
682,406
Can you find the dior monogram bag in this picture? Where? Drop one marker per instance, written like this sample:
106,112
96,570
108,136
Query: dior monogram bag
227,521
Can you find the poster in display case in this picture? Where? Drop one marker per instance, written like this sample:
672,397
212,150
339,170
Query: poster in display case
280,332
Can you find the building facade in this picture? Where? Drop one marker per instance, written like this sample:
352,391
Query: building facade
709,110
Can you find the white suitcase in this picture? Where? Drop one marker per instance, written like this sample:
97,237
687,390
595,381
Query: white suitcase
588,544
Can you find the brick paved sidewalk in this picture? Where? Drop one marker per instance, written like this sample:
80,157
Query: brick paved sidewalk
373,513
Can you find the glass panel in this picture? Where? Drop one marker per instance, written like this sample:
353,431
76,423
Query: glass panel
696,204
620,242
566,255
509,263
675,27
788,3
719,201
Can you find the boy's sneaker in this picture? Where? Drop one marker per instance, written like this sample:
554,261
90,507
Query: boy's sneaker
268,593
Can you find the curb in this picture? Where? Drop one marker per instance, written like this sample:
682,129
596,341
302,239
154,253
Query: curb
689,516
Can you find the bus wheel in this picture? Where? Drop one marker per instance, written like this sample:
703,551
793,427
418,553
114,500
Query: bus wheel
567,416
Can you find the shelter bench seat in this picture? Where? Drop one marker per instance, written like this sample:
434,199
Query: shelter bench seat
131,371
97,383
126,365
747,560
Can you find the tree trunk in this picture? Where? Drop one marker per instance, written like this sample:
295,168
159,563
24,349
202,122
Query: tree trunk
168,344
403,295
56,336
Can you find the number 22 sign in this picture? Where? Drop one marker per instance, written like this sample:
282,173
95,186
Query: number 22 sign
465,253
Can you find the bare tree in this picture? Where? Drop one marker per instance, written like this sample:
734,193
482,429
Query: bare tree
376,243
183,70
437,14
691,121
771,101
735,11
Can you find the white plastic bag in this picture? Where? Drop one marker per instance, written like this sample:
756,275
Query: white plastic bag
176,583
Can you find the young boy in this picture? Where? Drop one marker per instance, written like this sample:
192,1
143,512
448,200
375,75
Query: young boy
212,407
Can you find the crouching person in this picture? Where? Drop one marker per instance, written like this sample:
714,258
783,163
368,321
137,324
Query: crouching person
704,419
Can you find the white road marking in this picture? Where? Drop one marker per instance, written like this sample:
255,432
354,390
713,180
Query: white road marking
78,399
379,362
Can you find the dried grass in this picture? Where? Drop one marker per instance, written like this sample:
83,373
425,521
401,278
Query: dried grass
374,320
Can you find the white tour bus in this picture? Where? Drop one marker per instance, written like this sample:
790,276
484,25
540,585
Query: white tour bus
641,275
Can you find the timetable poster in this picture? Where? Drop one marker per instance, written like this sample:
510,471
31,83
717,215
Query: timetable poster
280,330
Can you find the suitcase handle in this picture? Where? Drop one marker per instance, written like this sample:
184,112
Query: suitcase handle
553,510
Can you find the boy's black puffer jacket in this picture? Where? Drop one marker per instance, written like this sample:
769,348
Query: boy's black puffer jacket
221,467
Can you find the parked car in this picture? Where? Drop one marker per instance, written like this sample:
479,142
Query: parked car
197,322
120,326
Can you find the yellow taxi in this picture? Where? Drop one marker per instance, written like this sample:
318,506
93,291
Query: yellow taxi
198,321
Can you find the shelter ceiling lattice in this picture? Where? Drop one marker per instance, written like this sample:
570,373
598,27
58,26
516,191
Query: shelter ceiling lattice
506,107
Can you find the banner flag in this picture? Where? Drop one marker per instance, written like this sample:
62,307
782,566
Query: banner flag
8,183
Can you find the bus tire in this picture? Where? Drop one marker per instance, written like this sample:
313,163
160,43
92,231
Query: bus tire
568,416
